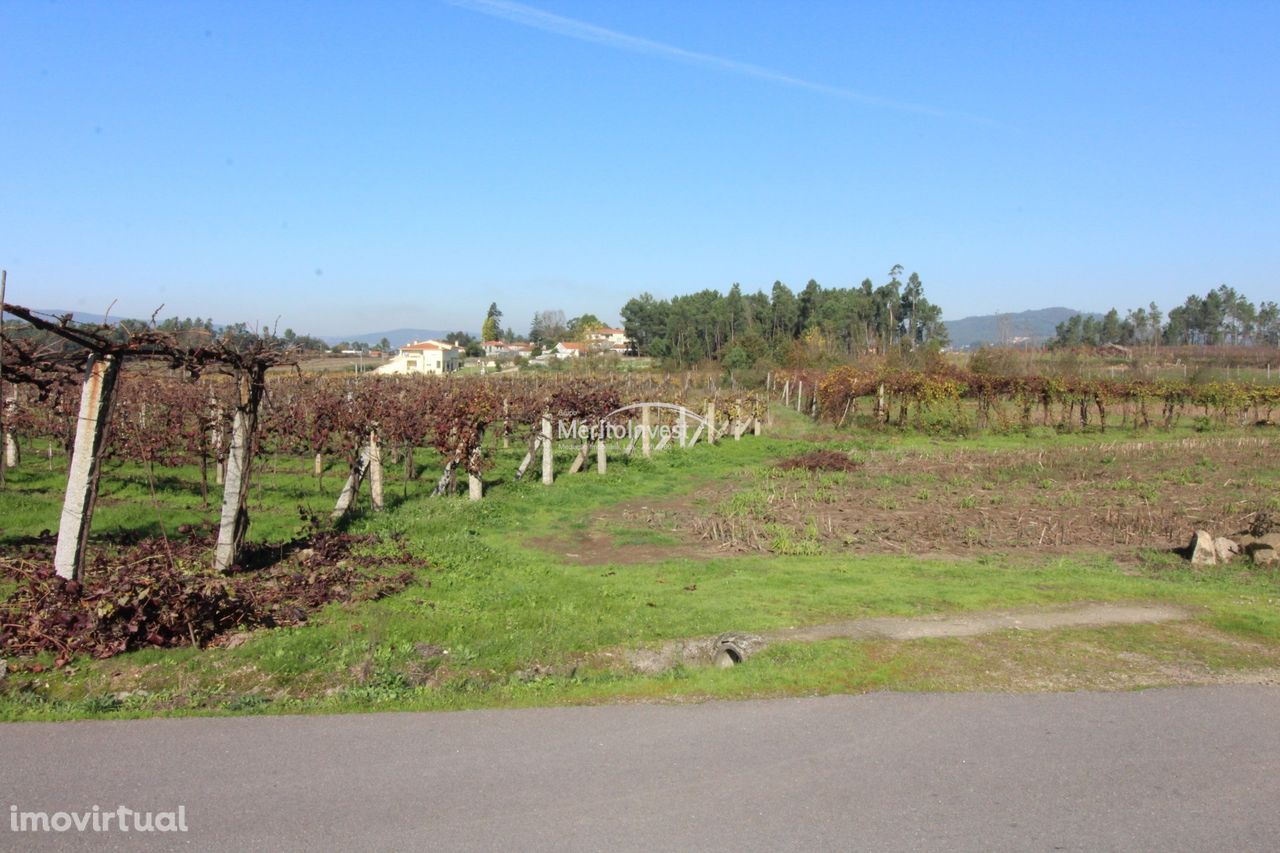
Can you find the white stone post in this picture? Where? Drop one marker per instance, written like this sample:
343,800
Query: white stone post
548,459
646,434
96,397
375,473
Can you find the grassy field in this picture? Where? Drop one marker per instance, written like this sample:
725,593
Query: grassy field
540,595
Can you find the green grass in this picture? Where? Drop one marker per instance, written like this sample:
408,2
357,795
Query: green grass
523,627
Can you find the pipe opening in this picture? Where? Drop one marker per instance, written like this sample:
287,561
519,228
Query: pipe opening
728,656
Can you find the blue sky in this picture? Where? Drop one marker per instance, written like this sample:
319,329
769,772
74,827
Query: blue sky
349,167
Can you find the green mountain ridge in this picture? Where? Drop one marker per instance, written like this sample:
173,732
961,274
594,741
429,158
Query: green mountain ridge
1034,327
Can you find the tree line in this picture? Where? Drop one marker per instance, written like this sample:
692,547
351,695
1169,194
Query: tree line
1221,316
739,329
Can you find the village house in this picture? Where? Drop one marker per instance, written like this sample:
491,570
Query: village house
502,349
606,339
432,357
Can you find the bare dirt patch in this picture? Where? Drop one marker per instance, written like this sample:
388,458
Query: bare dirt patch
973,624
1101,497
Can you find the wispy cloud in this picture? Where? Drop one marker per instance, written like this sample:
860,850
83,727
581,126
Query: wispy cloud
581,30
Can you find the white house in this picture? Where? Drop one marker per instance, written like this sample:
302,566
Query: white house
610,336
568,349
606,339
434,357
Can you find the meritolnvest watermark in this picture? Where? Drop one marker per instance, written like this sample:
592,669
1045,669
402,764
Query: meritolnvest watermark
612,427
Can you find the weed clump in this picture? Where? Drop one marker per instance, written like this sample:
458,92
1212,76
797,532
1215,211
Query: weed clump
819,460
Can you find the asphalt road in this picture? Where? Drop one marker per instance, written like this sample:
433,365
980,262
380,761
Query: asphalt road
1180,769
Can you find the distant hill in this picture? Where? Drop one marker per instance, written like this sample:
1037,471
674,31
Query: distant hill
77,316
1032,326
397,337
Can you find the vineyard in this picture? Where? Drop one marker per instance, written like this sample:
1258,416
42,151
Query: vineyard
377,472
934,399
163,421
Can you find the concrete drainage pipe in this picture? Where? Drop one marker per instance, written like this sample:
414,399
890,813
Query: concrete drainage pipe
733,648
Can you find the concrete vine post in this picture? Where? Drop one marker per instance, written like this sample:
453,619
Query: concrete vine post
602,459
646,431
96,397
216,440
12,452
351,487
375,473
711,421
445,485
548,469
580,461
475,484
233,521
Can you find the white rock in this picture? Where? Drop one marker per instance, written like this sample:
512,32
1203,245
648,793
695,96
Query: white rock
1202,551
1225,549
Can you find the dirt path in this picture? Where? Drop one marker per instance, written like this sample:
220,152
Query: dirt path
735,647
923,627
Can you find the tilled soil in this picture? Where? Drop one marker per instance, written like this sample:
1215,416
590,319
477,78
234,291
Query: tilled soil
1101,497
